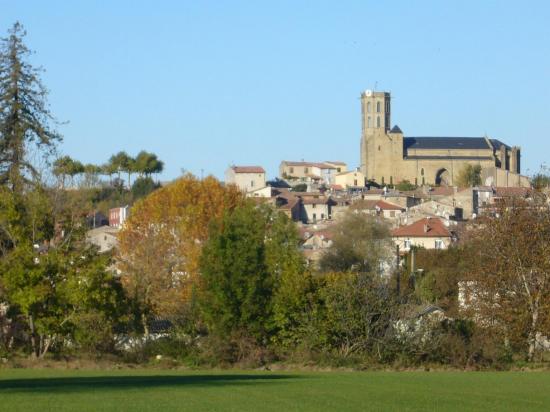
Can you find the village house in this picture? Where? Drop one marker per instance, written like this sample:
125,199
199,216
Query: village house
350,179
380,208
315,207
311,172
104,237
118,215
246,178
428,233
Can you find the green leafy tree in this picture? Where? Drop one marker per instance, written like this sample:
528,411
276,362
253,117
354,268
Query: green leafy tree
66,166
148,164
469,176
57,289
360,243
253,279
25,118
142,187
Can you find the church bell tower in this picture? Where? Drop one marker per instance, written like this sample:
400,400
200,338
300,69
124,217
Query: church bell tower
376,121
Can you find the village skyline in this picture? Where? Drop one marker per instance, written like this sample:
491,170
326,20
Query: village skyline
283,82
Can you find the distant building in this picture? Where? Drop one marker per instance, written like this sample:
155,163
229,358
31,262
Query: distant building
96,219
104,237
246,178
317,172
390,157
118,215
350,179
428,233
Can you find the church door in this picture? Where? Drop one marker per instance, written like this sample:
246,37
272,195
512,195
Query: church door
443,177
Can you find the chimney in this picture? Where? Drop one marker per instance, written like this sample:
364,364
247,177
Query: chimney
426,227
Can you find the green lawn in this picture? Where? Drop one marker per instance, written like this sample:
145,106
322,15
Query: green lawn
158,390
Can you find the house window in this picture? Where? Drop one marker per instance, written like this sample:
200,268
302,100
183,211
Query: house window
314,216
369,122
252,183
338,170
391,180
368,107
291,170
392,213
407,244
322,216
423,181
355,182
378,121
306,170
416,181
378,148
313,206
382,179
377,107
438,244
422,172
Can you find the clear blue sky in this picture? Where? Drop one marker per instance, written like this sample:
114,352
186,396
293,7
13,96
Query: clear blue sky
207,84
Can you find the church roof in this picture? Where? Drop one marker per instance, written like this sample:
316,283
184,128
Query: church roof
445,143
395,129
497,143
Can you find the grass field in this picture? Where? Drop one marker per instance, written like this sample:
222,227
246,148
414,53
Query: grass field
157,390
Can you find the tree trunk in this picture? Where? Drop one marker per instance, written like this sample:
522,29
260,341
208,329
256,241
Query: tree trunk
532,338
145,326
35,349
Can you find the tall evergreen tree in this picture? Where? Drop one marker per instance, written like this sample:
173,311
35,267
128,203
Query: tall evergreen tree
25,118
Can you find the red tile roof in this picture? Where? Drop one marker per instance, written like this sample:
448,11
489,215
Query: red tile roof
310,164
248,169
388,206
373,204
427,227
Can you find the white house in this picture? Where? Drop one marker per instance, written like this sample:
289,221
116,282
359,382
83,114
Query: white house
246,178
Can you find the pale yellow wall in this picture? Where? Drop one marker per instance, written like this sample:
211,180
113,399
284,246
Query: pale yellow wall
245,181
350,179
383,159
425,242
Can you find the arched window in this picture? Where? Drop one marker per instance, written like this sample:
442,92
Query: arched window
382,179
368,107
378,121
377,107
369,123
422,172
416,181
391,180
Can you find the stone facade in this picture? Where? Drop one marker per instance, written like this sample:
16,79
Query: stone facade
246,178
388,157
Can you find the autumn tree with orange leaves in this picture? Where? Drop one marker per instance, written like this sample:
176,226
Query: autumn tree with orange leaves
161,242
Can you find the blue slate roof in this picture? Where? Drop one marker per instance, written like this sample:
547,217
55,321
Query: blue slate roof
445,143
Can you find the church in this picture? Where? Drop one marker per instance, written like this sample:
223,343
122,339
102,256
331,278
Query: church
389,157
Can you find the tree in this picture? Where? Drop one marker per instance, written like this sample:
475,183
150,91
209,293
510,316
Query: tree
142,187
109,169
25,118
252,276
405,186
237,285
66,166
361,243
356,311
508,284
161,242
469,176
54,290
148,163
